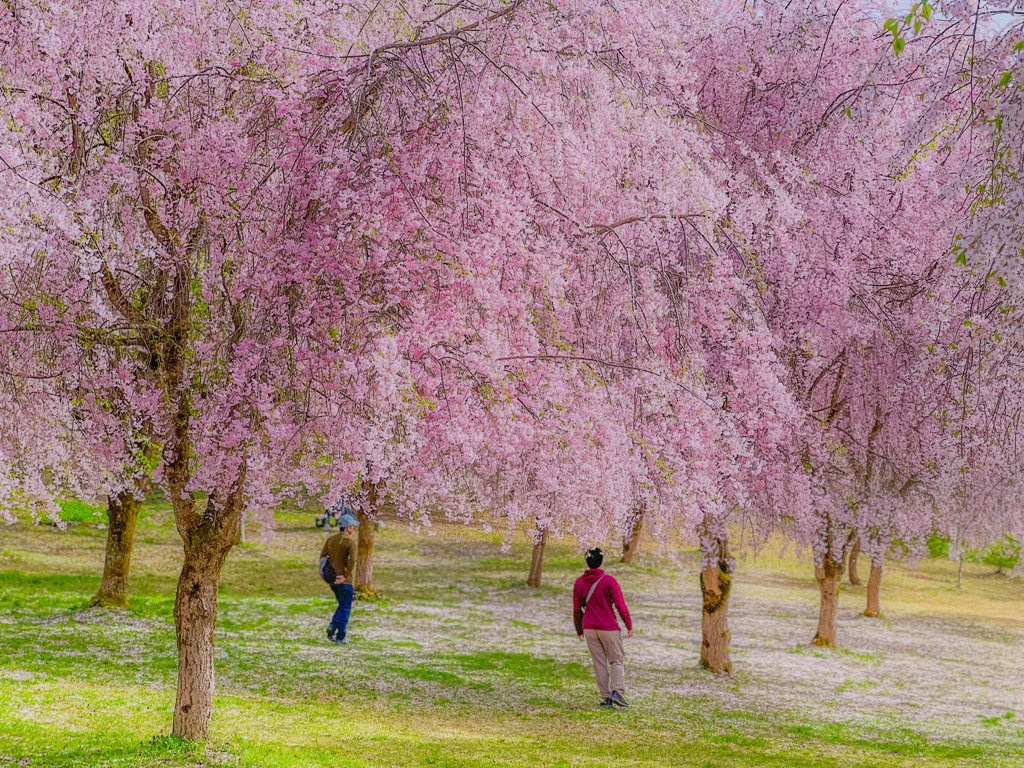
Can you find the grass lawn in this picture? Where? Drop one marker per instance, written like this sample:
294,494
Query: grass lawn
463,665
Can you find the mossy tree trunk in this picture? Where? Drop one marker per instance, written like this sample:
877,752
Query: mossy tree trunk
854,553
715,585
632,543
122,515
367,516
828,574
537,561
208,536
874,608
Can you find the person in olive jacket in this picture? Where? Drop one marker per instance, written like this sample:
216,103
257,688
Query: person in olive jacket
339,554
596,599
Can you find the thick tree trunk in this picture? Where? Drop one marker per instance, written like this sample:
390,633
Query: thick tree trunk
854,578
362,579
537,562
715,585
874,608
195,618
829,574
207,536
632,544
122,514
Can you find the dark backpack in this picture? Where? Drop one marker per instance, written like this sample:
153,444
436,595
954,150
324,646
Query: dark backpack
327,572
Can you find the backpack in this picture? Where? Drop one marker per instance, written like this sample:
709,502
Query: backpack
327,572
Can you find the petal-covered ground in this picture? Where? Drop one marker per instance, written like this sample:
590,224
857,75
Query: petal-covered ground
463,665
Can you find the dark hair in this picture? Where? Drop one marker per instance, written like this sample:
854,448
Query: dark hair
594,558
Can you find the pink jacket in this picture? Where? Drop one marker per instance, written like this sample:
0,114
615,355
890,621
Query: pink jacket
599,613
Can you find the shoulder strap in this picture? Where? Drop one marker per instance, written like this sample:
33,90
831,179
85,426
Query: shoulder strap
593,586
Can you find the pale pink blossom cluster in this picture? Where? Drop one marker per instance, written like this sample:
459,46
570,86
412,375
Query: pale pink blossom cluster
529,263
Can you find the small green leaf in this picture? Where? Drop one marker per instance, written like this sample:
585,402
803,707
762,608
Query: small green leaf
962,259
1019,46
917,26
1005,79
897,45
926,11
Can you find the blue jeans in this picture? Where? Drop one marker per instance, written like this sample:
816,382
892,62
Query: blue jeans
339,622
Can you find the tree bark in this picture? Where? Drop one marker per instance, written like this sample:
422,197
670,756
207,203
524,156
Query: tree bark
715,585
632,544
122,515
363,578
207,536
367,515
537,562
240,537
854,578
874,608
195,619
828,574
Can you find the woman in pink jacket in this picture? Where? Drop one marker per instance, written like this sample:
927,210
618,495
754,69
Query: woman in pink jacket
593,599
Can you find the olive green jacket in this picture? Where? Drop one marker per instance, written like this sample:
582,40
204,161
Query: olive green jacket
341,551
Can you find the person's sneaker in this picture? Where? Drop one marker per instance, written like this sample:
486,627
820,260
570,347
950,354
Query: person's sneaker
607,704
617,699
338,640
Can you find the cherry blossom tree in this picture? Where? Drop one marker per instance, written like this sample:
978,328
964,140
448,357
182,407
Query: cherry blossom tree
835,175
154,164
555,263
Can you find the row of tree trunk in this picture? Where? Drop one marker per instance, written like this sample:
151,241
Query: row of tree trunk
630,546
207,542
123,515
716,582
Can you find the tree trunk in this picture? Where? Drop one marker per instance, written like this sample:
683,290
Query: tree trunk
854,578
240,538
537,562
632,544
362,579
874,608
207,536
828,574
195,619
123,514
715,585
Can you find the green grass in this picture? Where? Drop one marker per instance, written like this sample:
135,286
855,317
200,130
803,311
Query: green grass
436,675
75,511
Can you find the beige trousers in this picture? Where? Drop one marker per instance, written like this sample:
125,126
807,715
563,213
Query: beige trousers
606,651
